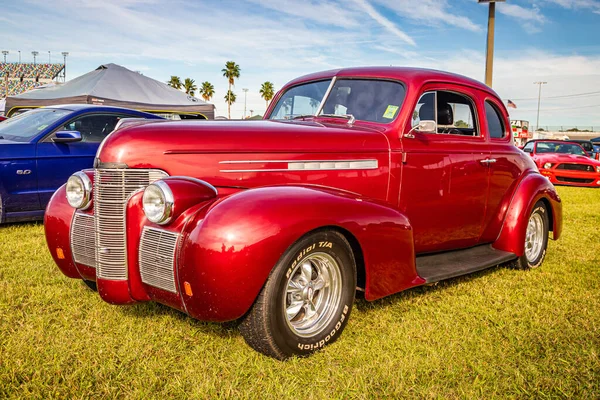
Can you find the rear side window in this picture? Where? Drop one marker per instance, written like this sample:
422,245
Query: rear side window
494,120
528,147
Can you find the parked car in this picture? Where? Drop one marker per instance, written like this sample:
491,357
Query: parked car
381,178
2,118
41,148
564,163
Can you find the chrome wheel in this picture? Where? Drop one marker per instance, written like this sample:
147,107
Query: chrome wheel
534,238
312,294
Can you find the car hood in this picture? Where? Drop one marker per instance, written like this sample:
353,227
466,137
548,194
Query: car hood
564,158
241,153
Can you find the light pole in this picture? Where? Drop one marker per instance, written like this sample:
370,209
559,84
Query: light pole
245,96
35,54
489,50
19,56
251,111
5,52
537,122
65,54
49,59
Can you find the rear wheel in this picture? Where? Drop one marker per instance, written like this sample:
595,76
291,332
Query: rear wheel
536,238
307,299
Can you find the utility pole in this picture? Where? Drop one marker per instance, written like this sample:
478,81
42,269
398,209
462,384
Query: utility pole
65,54
537,122
35,54
19,56
5,52
245,96
251,111
489,51
49,58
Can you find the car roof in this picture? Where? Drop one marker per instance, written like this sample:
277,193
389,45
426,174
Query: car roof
405,74
94,107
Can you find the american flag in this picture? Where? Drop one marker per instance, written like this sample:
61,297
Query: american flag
510,104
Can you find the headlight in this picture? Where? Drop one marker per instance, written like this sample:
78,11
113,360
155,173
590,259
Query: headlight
158,203
598,169
548,165
79,190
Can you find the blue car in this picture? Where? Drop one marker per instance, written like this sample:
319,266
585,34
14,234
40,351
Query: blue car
41,148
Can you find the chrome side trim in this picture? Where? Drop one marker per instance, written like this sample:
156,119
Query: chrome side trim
306,165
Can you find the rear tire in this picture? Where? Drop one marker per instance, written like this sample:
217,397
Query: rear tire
306,302
536,239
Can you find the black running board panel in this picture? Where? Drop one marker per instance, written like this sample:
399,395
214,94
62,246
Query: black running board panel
440,266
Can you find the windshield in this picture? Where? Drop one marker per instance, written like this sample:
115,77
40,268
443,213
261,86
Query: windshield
27,125
364,99
561,148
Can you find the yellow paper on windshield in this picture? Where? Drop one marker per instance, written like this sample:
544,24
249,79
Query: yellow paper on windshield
41,127
390,112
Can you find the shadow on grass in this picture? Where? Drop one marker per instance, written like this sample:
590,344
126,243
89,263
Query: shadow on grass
229,329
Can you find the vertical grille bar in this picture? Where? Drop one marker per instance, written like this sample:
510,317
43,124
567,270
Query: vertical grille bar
157,258
112,189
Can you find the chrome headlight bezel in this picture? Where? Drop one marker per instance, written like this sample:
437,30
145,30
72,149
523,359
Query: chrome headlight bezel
547,165
83,199
158,203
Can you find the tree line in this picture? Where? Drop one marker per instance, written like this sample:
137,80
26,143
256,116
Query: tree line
231,72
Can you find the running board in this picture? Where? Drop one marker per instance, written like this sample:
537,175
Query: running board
440,266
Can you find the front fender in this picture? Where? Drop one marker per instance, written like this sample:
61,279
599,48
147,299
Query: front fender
532,188
229,249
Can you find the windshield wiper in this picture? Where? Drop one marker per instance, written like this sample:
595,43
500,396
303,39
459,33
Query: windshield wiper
349,117
302,116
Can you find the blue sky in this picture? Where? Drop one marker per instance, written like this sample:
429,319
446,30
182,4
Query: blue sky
277,40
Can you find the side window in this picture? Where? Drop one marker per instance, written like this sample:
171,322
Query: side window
494,120
93,128
453,113
528,147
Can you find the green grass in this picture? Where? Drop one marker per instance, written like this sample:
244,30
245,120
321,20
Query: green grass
497,334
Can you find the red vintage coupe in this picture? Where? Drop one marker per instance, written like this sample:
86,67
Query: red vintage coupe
564,163
376,179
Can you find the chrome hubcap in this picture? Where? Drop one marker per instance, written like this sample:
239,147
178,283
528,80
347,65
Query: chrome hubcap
313,294
534,238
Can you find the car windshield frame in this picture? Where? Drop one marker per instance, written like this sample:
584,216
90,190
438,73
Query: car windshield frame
557,145
24,127
390,114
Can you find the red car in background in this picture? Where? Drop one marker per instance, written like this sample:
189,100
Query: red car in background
2,118
564,162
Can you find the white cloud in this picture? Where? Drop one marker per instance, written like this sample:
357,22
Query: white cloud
430,12
383,21
593,5
531,18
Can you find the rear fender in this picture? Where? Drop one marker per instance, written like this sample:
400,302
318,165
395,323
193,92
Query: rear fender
532,188
229,249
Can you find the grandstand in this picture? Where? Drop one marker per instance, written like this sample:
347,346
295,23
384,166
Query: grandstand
17,78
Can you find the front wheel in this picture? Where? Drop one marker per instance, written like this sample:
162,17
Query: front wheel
306,301
536,238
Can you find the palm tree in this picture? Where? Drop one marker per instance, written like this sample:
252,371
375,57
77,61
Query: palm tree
267,91
314,103
174,82
229,99
231,71
207,90
190,86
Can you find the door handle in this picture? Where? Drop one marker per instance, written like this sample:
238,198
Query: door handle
488,161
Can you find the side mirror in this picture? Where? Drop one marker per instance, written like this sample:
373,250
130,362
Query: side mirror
423,126
67,137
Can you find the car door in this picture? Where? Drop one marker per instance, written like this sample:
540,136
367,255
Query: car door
506,168
57,161
444,172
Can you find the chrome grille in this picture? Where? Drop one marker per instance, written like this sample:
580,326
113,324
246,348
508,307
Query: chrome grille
157,258
83,239
576,167
112,189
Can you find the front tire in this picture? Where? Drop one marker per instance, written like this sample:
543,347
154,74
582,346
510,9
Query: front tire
536,238
306,302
